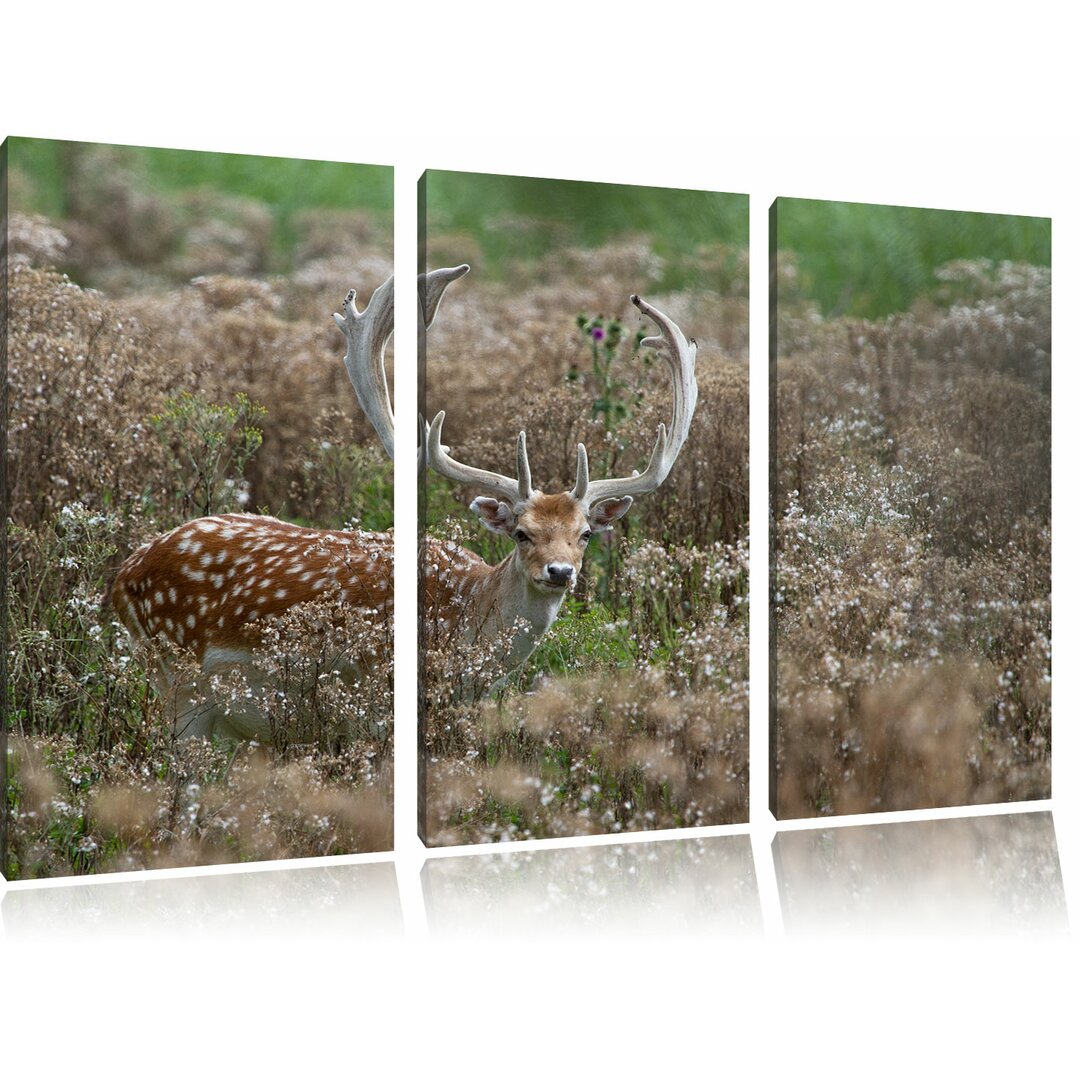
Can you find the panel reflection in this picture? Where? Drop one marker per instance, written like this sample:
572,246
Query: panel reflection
651,888
968,876
343,901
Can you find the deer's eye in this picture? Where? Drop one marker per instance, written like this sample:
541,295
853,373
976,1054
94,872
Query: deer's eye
586,535
521,537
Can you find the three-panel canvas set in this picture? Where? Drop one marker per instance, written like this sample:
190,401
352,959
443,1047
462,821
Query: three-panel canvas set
199,502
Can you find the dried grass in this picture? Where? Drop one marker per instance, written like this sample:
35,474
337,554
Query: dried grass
632,713
911,567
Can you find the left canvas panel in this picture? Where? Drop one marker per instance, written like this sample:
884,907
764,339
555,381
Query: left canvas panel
198,579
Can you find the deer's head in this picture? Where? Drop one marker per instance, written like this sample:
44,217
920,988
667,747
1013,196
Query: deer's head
553,530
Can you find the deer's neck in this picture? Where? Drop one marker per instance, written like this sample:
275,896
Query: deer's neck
505,599
484,602
522,604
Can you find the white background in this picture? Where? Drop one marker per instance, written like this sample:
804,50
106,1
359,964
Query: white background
939,105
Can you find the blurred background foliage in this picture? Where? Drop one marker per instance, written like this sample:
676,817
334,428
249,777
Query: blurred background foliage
862,260
48,173
523,218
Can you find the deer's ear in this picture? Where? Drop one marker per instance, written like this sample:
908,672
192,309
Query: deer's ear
604,514
496,516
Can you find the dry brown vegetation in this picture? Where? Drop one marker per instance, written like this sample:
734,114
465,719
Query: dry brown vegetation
123,421
632,713
911,561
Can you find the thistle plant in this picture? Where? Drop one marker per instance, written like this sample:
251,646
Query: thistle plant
614,400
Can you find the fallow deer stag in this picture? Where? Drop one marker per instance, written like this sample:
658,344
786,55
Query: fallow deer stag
518,599
207,586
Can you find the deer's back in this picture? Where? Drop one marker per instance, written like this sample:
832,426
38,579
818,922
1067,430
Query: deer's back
205,582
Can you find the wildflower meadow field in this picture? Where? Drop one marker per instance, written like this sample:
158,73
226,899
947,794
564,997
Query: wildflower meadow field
172,354
910,502
632,712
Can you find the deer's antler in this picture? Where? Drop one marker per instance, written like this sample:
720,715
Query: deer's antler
514,491
430,288
680,355
367,335
429,292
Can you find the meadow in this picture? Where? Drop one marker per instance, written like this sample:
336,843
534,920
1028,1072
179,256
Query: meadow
860,260
910,503
632,712
171,353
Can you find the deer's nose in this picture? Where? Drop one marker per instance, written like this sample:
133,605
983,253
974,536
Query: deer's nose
559,573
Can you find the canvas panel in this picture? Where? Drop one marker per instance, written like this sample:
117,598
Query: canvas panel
224,694
910,501
621,704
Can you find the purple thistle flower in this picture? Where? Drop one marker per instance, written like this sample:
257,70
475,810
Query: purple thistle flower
597,333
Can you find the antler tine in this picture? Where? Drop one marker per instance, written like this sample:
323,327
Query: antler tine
680,355
581,485
431,286
421,449
367,335
513,491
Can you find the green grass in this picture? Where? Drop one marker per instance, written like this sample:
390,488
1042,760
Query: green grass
869,261
286,184
516,217
41,160
583,637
